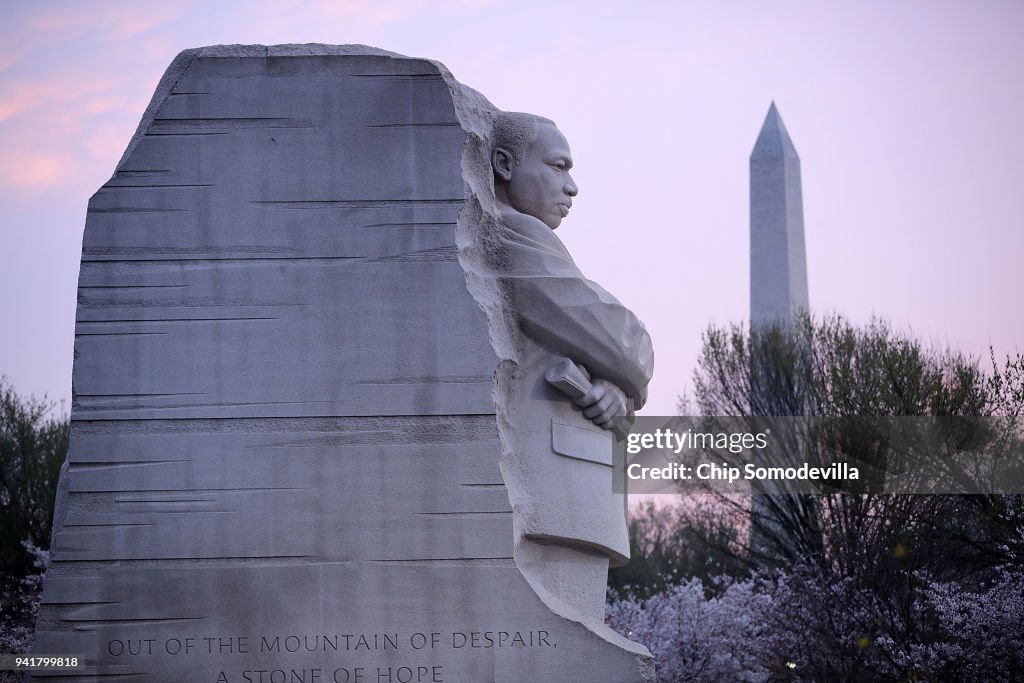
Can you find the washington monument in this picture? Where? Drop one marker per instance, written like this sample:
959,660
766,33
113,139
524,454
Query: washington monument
778,286
778,264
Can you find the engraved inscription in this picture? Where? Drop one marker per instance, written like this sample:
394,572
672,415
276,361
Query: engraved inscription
355,651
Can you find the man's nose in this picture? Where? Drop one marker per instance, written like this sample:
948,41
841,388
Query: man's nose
570,186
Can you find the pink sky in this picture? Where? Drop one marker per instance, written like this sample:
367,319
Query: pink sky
906,116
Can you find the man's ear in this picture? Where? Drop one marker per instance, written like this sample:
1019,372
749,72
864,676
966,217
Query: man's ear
501,162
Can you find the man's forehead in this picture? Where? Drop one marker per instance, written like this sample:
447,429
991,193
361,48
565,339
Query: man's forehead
550,140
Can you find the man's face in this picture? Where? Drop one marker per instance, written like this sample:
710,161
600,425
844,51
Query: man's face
541,185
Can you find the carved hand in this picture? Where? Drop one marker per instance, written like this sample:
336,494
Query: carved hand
603,402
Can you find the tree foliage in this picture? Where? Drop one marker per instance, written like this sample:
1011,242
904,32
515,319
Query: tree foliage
832,367
829,368
671,544
801,625
854,584
33,445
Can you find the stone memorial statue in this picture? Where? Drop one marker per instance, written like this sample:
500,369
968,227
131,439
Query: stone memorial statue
343,404
569,525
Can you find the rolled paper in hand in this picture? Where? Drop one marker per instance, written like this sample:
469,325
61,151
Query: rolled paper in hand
570,379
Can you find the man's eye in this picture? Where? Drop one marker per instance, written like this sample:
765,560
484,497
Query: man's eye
560,165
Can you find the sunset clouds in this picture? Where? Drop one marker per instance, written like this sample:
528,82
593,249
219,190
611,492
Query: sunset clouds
69,90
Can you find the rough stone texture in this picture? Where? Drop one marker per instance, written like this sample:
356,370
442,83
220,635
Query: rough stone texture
778,264
284,427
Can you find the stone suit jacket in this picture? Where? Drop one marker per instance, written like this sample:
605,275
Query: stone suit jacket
560,466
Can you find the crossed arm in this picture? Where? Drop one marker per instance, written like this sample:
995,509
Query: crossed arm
569,315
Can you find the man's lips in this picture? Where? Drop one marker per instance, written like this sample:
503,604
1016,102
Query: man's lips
565,209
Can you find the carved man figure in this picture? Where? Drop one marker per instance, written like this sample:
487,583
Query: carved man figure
569,524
